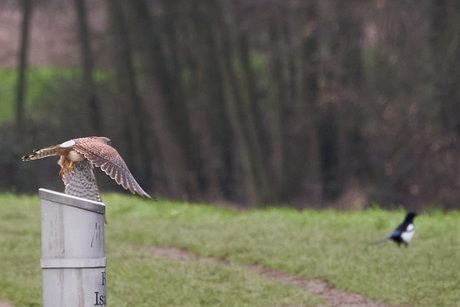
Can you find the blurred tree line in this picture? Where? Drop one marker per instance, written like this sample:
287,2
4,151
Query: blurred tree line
302,102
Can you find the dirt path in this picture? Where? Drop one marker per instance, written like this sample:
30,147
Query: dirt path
5,304
333,297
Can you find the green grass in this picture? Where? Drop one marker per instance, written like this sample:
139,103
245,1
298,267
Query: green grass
138,278
20,275
135,277
330,245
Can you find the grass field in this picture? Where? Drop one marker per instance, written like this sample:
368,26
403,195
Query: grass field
330,245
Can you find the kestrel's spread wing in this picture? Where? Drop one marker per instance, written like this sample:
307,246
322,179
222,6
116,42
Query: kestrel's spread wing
99,152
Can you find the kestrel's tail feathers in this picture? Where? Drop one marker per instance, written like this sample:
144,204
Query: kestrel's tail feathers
43,153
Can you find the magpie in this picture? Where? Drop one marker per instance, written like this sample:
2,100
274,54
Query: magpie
403,234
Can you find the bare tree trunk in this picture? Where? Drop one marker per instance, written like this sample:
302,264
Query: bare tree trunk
308,91
328,69
277,107
236,116
134,117
341,78
89,87
351,79
22,66
170,38
446,24
161,106
206,98
14,169
246,108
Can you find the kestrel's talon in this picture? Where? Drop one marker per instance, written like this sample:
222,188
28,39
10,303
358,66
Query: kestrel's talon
68,167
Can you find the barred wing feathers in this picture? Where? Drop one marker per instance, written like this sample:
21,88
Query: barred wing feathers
107,158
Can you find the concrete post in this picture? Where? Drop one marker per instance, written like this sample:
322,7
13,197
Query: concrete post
73,251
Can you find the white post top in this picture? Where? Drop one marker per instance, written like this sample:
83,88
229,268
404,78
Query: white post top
72,201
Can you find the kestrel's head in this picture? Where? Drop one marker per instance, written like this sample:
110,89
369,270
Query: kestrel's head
103,139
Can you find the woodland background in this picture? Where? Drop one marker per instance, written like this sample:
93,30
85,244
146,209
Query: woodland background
250,102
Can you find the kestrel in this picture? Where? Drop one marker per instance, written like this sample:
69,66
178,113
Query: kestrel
82,154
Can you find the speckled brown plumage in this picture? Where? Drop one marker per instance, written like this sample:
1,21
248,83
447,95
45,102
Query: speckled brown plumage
81,181
96,150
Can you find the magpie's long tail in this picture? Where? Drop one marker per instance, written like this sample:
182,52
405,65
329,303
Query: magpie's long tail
379,241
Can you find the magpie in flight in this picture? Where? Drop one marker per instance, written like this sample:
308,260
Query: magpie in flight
402,234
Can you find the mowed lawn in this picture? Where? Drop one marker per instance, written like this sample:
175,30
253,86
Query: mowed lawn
330,245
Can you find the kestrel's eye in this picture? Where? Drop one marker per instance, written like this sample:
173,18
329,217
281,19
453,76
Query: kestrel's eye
107,141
